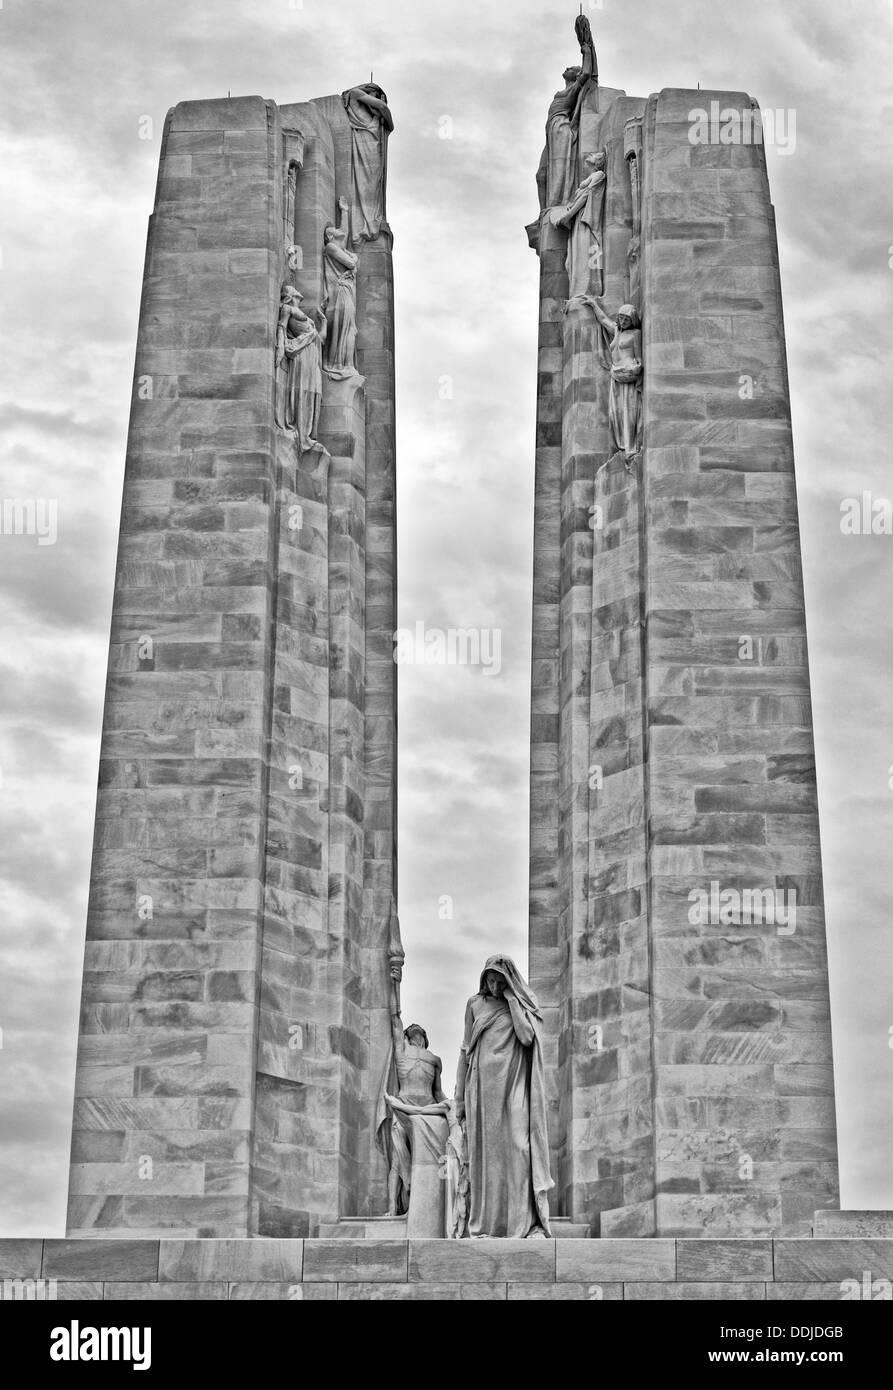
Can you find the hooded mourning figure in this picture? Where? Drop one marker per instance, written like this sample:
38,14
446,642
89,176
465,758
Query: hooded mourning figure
500,1090
371,123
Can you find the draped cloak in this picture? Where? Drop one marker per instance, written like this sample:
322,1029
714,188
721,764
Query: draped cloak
505,1112
369,139
299,397
341,295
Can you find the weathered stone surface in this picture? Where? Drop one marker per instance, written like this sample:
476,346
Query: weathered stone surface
820,1260
670,689
104,1260
719,1292
612,1260
855,1225
268,1261
482,1261
20,1259
576,1270
708,1260
327,1261
245,837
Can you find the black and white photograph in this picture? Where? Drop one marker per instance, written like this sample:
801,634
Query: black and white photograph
446,682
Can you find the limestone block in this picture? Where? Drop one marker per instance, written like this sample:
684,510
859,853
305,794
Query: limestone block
853,1224
20,1259
484,1261
117,1260
246,1260
696,1293
736,1260
158,1293
427,1292
821,1259
616,1260
349,1261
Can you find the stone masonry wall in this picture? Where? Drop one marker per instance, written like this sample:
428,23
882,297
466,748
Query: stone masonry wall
493,1270
671,743
234,1020
746,1137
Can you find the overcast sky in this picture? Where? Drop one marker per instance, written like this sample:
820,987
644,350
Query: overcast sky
77,185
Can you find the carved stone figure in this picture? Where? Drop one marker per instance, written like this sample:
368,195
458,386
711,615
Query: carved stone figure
419,1128
457,1180
299,388
557,176
632,141
371,124
501,1094
583,216
339,359
620,352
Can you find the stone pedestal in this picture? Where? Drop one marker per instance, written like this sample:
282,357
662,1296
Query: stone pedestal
373,1269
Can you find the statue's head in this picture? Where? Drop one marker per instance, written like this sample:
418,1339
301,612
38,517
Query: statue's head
495,983
415,1035
374,91
595,161
627,316
500,973
571,74
290,294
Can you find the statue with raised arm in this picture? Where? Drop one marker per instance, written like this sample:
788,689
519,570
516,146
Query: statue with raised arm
583,216
299,370
416,1111
501,1095
620,352
339,359
557,176
371,123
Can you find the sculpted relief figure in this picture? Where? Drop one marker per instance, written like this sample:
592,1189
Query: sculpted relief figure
416,1109
299,388
500,1093
371,123
583,216
339,360
557,176
620,351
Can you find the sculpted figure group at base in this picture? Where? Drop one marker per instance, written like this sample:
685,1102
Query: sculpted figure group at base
501,1094
478,1168
419,1130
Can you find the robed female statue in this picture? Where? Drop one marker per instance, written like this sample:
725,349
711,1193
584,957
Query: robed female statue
500,1091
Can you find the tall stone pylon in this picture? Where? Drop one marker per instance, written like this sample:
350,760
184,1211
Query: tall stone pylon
235,998
677,936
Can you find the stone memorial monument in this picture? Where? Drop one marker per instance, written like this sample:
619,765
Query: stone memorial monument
251,1115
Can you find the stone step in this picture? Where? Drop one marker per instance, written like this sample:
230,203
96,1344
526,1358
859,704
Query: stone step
856,1225
394,1228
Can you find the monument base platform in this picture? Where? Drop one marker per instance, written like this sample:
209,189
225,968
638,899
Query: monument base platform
832,1270
394,1228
